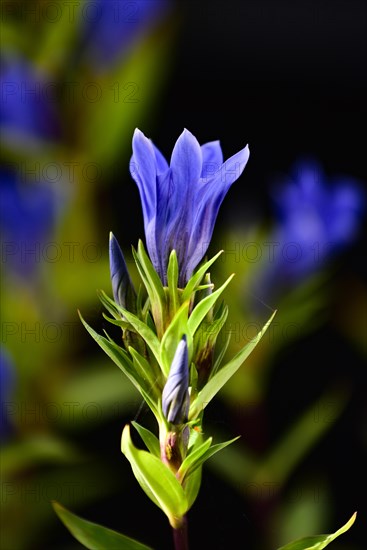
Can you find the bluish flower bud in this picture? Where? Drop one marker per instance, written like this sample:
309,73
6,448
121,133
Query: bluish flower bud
175,397
122,287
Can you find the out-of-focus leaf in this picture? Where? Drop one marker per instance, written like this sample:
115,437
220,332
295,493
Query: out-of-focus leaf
301,437
94,536
125,96
34,451
318,542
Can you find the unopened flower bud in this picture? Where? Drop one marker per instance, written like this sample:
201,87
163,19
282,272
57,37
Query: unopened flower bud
122,287
175,397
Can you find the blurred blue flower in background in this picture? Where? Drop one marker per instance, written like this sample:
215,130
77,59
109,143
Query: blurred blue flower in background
7,385
111,28
315,219
29,111
27,217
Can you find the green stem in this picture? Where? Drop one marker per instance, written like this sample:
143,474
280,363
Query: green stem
180,536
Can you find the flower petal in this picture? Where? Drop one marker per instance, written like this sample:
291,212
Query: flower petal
212,158
162,164
143,169
209,198
186,165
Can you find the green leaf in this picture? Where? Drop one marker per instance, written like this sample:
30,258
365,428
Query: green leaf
118,356
109,304
191,485
156,480
145,332
224,374
153,284
147,371
204,307
195,280
150,440
194,456
94,536
171,338
172,280
119,323
201,455
318,542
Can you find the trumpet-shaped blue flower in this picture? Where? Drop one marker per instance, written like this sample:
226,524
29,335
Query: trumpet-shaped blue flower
122,286
181,201
175,397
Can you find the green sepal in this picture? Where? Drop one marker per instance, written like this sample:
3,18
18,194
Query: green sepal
156,480
194,282
320,541
225,373
94,536
150,440
171,338
204,306
201,455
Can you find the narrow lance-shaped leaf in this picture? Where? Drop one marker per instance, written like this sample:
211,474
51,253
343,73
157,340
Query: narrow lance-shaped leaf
150,440
201,455
204,307
224,374
195,280
94,536
318,542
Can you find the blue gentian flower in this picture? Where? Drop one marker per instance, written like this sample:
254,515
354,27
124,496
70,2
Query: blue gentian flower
175,396
181,201
122,286
7,385
27,218
315,218
111,29
28,109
